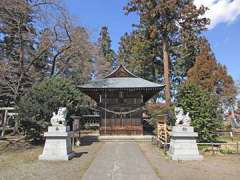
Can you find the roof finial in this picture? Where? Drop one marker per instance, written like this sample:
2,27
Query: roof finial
121,71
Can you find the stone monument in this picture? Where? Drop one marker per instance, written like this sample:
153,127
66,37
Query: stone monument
183,144
58,138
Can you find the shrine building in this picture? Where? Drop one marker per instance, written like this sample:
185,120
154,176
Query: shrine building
120,97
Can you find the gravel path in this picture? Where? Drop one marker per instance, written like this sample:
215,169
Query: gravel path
120,161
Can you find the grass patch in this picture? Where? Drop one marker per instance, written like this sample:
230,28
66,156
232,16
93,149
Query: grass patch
10,159
228,139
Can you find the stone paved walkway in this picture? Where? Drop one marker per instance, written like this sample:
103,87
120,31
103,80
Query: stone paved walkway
120,161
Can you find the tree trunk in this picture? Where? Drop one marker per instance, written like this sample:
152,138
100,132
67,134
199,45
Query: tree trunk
53,67
21,57
153,71
21,69
166,71
154,79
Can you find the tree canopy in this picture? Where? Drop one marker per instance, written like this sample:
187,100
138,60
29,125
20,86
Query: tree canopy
41,47
36,107
170,24
203,108
39,40
210,75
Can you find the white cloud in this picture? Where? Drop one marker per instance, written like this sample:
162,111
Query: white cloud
220,11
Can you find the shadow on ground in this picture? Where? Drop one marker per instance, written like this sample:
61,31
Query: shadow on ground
79,154
88,140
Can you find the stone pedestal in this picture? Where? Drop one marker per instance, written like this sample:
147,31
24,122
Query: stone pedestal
183,144
58,144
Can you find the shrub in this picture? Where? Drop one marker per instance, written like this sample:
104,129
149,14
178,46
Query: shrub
203,108
36,108
155,110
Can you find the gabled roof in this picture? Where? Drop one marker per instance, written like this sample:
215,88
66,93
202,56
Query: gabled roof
121,78
120,71
121,82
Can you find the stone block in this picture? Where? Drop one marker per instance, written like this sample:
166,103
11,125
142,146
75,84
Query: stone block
183,145
58,128
58,144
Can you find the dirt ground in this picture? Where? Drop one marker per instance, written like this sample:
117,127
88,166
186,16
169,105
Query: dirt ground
218,167
23,164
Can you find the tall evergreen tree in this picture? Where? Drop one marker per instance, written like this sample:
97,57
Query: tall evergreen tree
136,52
76,61
124,50
211,75
104,43
168,19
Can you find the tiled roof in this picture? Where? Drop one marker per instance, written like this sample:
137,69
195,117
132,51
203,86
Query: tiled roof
123,82
121,78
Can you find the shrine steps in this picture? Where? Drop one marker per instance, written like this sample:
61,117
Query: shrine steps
125,138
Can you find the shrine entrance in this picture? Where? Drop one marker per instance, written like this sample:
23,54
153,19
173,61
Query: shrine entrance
121,122
120,97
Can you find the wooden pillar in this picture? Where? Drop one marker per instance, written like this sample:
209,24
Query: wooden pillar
4,123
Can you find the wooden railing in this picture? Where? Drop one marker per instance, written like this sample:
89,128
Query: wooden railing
163,131
213,147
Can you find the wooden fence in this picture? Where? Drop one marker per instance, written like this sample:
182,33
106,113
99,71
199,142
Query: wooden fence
163,130
225,148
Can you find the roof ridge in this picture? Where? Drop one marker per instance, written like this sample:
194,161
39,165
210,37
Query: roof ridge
118,69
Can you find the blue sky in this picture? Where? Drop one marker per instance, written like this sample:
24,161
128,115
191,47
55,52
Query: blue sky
223,33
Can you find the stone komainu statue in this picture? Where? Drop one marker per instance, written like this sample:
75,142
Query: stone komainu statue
59,119
181,118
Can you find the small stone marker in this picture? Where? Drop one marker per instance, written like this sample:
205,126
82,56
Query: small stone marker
58,139
183,144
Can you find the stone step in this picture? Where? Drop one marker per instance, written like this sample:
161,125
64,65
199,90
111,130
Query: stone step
126,138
